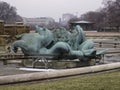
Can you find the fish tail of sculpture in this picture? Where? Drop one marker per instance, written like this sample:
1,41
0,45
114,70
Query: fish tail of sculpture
89,52
101,51
81,33
78,54
60,48
16,44
88,44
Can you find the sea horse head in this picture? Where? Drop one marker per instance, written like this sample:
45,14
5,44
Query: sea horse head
47,34
81,35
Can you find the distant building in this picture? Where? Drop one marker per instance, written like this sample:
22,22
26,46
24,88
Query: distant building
38,21
86,25
66,17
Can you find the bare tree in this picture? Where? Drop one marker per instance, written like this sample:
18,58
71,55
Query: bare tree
108,16
113,12
8,13
97,17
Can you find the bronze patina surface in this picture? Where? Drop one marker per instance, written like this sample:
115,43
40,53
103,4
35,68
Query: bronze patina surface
57,42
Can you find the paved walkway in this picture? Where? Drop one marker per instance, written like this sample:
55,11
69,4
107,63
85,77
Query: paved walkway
12,69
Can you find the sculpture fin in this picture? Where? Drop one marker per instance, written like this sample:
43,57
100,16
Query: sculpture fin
103,51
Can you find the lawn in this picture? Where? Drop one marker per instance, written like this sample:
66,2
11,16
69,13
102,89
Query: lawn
102,81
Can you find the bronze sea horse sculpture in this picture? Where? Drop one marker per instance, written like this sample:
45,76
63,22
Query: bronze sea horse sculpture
43,42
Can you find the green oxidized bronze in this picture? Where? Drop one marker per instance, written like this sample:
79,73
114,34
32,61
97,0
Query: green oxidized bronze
58,42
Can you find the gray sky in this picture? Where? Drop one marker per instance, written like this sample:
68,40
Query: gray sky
53,8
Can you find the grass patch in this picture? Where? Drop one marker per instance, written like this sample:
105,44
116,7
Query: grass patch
103,81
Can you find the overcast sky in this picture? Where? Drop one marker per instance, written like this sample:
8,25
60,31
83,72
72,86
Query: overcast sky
53,8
